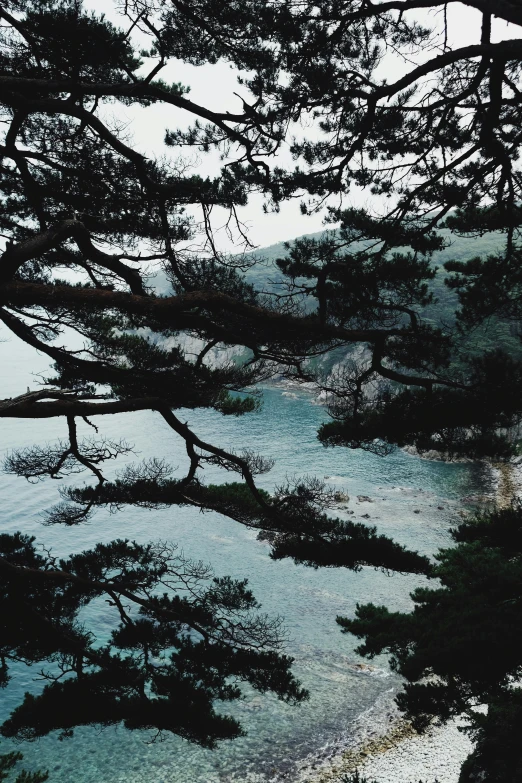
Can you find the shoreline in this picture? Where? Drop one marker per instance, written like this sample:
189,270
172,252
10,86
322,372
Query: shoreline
434,757
401,755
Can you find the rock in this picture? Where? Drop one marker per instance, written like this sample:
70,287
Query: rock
341,497
364,499
476,499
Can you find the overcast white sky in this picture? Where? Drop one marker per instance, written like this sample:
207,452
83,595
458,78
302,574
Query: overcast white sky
213,86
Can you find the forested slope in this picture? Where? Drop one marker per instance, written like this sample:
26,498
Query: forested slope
265,275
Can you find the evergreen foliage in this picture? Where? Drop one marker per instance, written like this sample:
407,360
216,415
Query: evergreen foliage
7,763
438,150
460,646
181,636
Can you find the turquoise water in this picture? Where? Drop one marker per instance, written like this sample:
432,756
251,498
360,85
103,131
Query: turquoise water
345,699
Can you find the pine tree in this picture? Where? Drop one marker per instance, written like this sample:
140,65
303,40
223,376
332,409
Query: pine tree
460,646
439,145
7,763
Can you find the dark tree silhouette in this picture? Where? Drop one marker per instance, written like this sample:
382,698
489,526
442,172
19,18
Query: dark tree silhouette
439,145
8,762
460,647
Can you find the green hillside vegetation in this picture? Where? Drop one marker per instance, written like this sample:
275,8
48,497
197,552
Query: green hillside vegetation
492,334
265,275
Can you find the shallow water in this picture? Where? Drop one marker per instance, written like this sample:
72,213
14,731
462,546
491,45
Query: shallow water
279,737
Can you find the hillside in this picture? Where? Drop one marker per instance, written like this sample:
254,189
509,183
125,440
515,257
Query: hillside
458,249
266,276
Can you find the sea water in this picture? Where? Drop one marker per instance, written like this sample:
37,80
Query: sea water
414,501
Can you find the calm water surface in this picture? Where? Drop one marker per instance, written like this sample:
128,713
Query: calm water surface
344,698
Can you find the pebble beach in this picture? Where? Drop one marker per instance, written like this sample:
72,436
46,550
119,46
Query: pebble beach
403,756
437,756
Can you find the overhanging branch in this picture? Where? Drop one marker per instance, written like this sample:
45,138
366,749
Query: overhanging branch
180,312
16,255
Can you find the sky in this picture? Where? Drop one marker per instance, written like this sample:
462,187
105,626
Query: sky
213,86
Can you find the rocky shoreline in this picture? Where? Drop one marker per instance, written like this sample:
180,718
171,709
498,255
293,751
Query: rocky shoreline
400,754
403,756
435,757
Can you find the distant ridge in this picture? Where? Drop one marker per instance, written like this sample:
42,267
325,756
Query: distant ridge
265,275
490,336
495,334
461,248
